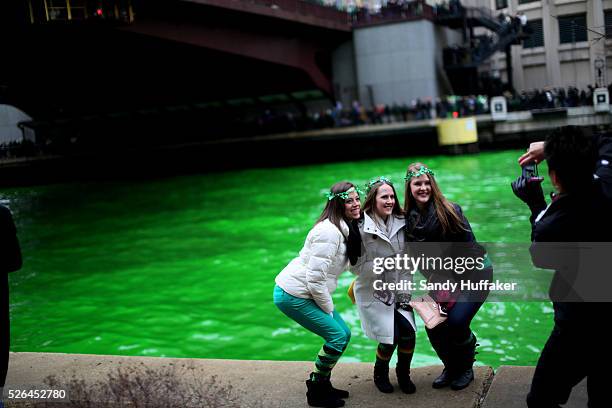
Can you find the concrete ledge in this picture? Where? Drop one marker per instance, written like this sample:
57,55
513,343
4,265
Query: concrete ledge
281,383
511,385
256,383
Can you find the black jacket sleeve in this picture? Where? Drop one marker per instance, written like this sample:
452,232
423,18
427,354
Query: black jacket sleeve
10,252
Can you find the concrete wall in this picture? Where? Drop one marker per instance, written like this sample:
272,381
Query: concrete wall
9,117
343,73
399,62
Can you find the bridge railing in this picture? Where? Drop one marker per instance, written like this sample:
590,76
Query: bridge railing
413,10
304,7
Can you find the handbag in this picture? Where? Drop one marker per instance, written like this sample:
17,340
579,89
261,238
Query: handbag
429,310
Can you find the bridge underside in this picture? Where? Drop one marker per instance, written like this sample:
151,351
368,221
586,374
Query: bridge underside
173,53
90,69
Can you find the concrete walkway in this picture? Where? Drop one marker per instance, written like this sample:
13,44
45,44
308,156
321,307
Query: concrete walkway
280,383
511,385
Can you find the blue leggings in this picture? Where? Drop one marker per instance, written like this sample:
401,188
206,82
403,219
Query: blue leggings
307,313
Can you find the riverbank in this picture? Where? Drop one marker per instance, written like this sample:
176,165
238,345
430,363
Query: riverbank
270,383
121,162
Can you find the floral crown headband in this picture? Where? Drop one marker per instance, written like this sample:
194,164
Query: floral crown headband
377,180
343,195
420,172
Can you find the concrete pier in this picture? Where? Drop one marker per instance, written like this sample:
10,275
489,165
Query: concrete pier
281,383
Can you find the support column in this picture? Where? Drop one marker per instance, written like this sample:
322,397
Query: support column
509,70
551,43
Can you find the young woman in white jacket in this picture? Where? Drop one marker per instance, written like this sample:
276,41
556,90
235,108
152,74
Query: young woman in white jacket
303,289
385,314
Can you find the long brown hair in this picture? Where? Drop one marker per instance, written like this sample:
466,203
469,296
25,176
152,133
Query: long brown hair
370,202
445,211
334,209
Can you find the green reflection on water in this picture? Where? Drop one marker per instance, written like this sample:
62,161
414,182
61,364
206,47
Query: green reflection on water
184,267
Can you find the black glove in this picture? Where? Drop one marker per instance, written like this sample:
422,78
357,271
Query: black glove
353,247
530,191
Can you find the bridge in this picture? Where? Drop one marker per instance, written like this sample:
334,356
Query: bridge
79,57
97,75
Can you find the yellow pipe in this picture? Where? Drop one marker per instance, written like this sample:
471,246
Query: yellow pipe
68,10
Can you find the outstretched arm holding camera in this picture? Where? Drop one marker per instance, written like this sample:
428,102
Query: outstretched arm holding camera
528,186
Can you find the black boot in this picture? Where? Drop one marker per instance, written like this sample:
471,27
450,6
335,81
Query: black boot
463,380
381,376
403,379
319,395
335,391
443,380
464,355
438,338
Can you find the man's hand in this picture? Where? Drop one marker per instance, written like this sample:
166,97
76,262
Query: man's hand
535,153
530,191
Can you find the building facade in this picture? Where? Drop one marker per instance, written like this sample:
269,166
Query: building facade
568,46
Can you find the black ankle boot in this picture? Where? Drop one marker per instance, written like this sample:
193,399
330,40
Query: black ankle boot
443,380
338,393
319,395
439,339
463,356
381,377
403,379
462,380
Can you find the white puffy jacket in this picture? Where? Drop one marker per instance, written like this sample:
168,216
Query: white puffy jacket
314,273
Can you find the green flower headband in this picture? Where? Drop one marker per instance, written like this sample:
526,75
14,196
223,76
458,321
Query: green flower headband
377,180
423,170
343,195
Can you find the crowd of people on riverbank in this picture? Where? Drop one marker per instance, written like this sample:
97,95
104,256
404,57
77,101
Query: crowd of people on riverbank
357,114
451,106
569,97
231,121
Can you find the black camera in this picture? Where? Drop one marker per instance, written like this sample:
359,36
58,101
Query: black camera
530,171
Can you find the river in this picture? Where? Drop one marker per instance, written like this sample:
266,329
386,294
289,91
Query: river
185,266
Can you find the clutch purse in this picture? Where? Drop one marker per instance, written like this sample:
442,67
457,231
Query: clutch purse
429,310
351,291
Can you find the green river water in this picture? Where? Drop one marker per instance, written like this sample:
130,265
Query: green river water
185,266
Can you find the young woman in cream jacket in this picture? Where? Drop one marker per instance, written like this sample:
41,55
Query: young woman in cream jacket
303,289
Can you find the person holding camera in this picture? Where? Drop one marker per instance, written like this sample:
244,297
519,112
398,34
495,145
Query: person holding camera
580,212
385,314
437,227
10,261
304,287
